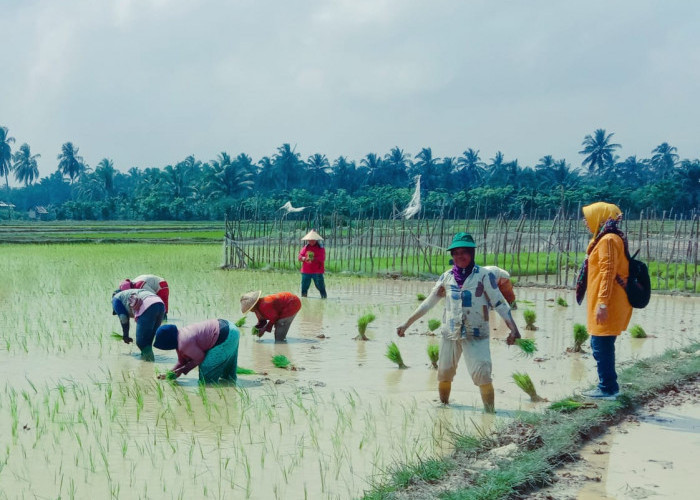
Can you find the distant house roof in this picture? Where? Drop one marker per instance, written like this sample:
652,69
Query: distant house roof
6,205
41,210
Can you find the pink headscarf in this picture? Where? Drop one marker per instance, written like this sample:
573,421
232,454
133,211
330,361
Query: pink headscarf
125,285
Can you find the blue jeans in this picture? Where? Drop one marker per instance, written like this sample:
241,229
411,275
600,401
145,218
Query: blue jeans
604,354
318,282
146,328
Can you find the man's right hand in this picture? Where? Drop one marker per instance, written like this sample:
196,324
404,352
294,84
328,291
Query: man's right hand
127,339
401,330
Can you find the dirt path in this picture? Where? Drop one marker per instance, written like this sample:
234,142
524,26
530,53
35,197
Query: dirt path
652,453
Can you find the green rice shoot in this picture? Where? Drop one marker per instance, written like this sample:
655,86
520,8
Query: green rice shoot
434,324
244,371
394,354
433,354
527,346
117,336
281,361
240,322
530,316
420,296
562,302
567,405
638,332
362,323
580,336
524,381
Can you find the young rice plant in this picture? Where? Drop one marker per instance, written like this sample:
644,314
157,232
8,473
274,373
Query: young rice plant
362,323
394,355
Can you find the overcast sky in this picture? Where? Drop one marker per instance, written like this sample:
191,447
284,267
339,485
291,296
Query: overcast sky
149,82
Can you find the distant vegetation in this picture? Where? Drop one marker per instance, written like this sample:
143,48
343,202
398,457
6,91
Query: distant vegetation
193,189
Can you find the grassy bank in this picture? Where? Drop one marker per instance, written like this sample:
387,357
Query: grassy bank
543,440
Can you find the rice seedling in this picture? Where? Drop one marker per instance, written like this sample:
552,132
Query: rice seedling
530,316
394,354
420,296
241,322
362,323
433,324
281,361
117,336
527,346
433,354
524,381
562,302
244,371
637,332
569,405
580,336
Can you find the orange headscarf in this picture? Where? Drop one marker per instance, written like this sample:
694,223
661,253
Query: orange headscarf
599,213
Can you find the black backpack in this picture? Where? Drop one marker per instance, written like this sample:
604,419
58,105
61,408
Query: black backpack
638,286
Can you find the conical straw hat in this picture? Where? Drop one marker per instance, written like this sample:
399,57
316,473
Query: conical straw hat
312,235
248,300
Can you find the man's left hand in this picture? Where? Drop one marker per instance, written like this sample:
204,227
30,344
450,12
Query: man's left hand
514,334
601,315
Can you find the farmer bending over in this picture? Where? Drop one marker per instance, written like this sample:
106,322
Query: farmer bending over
147,309
469,290
276,310
212,345
152,283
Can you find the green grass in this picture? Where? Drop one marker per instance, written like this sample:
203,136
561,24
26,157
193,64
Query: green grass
560,432
394,355
637,332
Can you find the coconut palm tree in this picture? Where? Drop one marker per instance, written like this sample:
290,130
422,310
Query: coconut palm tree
599,151
373,163
24,165
229,178
427,167
345,175
288,167
396,164
664,160
69,163
104,172
5,154
318,171
471,168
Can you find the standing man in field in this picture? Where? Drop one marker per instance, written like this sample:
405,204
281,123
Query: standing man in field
602,275
468,290
152,283
277,310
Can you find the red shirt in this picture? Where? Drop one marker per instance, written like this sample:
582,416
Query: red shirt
278,306
316,265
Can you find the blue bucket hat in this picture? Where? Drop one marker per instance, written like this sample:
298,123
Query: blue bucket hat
166,337
462,240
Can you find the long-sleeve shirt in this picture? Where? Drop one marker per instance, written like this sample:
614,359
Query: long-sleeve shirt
467,308
193,342
317,263
149,282
277,306
132,303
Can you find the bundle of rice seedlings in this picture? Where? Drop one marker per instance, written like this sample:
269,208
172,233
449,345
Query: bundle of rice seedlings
434,354
117,336
527,346
562,302
530,316
580,336
524,381
362,325
245,371
569,405
170,375
241,322
433,324
394,355
637,332
281,361
420,296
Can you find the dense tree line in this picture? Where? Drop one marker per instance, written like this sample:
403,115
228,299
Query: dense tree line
379,184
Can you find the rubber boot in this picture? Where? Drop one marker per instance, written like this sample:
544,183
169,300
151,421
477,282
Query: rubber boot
487,396
444,390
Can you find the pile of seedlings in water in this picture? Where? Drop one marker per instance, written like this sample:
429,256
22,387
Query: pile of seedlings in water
562,302
433,354
394,355
524,381
580,337
568,405
530,316
281,361
362,325
433,324
637,332
245,371
527,346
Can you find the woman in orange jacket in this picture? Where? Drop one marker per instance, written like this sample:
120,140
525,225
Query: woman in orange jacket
602,276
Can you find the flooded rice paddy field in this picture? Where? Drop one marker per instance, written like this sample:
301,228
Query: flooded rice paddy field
81,415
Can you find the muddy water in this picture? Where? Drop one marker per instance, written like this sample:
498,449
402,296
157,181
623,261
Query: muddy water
82,416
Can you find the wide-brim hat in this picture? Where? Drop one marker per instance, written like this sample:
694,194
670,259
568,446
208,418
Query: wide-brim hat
248,300
312,235
462,240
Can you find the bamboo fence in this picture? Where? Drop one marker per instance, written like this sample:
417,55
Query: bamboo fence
539,250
